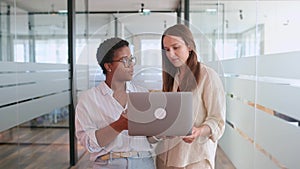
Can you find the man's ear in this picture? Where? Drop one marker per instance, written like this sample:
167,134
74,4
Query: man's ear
107,67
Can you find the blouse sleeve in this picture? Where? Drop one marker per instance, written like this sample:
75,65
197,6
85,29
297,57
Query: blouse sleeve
215,104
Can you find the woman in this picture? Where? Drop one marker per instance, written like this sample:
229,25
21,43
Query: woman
183,72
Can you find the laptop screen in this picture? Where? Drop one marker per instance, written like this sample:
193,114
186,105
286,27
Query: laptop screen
160,113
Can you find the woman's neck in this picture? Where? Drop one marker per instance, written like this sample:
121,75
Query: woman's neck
181,71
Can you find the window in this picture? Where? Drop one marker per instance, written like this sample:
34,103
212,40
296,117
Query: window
150,52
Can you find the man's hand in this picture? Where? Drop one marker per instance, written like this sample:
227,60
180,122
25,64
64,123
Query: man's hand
107,134
122,123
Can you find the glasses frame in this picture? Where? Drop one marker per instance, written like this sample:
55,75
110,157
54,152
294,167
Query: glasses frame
126,61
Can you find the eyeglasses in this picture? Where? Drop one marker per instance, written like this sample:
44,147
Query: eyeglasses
126,61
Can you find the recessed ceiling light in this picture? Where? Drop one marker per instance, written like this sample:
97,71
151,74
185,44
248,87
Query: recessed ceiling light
211,10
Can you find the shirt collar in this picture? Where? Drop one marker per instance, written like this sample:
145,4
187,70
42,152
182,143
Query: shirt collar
105,89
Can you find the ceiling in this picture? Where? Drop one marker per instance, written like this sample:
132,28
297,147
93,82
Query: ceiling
158,20
95,5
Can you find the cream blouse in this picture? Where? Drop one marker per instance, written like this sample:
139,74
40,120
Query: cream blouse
209,108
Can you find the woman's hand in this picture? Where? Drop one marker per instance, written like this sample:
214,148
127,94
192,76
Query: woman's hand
196,132
202,131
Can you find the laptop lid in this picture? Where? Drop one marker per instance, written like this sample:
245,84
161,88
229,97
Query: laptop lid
160,113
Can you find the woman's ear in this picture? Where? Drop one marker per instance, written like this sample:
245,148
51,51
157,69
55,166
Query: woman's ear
189,48
107,67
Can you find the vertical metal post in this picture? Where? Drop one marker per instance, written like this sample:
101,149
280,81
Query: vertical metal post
178,11
9,50
86,32
223,27
187,12
72,62
1,34
116,27
31,38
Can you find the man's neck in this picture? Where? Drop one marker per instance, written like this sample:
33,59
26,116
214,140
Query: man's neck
116,86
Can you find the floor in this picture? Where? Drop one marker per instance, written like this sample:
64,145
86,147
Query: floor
222,162
29,148
32,147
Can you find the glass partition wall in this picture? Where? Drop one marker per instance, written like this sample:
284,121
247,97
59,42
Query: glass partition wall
137,29
256,54
144,44
34,86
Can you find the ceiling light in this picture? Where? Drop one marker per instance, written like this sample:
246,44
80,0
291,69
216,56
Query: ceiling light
144,11
211,10
62,12
241,14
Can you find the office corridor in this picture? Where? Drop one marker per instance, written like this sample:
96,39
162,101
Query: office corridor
31,149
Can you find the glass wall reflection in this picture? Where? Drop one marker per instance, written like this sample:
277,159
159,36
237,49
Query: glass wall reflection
34,86
255,51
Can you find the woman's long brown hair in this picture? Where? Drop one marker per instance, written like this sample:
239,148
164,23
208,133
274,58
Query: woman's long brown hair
192,74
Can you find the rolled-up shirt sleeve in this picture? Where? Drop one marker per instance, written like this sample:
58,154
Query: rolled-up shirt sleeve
88,138
96,109
215,104
85,129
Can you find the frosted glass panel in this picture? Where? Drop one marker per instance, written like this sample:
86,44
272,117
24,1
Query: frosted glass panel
242,88
284,65
242,116
279,138
28,86
282,98
239,150
241,66
263,162
262,70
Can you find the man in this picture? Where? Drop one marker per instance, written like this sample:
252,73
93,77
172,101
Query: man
101,120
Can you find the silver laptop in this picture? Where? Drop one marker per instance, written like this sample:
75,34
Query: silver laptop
160,113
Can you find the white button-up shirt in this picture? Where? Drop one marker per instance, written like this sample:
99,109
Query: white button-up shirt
96,109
